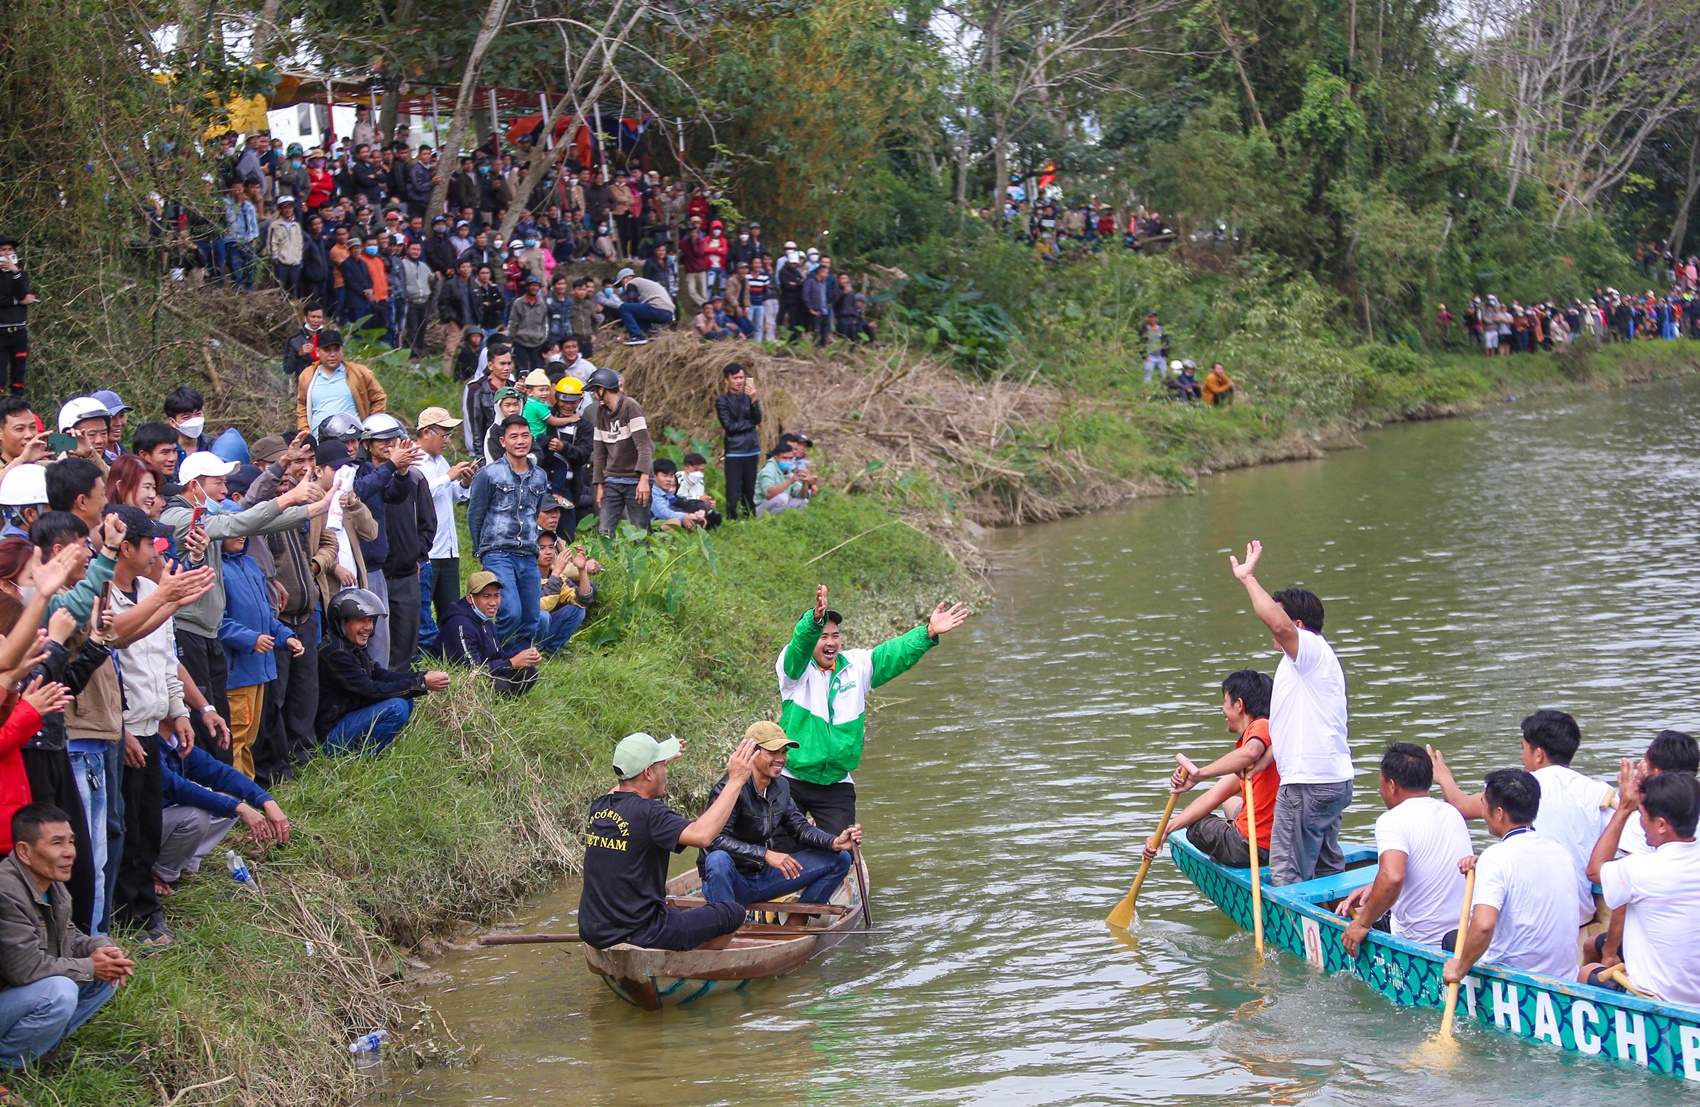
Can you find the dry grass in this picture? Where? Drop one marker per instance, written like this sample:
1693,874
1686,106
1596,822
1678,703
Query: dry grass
880,415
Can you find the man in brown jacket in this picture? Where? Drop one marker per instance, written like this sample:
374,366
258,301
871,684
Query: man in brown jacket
338,563
331,384
55,977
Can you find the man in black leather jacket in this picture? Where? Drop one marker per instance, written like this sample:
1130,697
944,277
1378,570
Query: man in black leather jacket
741,867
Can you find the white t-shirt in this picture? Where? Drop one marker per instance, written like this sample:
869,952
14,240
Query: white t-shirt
1662,890
445,493
1574,810
1307,715
1432,836
1523,877
1634,839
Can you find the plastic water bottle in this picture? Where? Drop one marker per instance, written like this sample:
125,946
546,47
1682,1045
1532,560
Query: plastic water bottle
238,868
369,1043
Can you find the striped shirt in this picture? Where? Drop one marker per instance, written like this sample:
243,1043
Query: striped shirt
758,288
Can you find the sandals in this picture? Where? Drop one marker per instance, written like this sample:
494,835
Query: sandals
9,1098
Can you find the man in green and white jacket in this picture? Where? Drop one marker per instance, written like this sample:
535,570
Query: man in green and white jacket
825,689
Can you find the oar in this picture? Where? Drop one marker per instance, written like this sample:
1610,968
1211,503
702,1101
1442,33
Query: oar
1256,870
862,879
1447,1017
1122,914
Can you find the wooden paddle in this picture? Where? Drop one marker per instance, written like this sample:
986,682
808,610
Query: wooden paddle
862,879
1122,913
1256,869
1447,1017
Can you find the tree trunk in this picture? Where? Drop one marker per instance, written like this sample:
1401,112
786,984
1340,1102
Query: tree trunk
962,169
1233,42
1000,164
494,17
264,31
1679,229
392,97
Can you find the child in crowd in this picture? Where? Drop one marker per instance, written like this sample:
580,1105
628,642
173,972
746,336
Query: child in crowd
665,507
250,631
539,392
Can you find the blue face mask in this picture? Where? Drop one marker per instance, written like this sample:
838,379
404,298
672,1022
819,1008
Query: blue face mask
212,507
787,466
372,250
484,169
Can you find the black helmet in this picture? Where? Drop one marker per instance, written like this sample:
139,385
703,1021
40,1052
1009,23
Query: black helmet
602,379
341,425
354,603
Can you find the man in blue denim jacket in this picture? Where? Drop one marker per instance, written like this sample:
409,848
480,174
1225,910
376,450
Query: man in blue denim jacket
502,519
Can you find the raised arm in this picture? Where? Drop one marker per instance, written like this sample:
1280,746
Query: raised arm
1471,807
707,826
1274,616
1629,802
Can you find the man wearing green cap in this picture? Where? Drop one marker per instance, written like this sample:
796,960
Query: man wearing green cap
825,689
631,832
742,867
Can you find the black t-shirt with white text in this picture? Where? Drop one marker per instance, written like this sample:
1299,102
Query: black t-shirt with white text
625,866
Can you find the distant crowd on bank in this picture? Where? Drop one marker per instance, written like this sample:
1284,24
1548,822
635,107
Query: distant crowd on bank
1511,327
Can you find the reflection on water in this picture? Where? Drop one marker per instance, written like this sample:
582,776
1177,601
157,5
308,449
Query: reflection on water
1472,570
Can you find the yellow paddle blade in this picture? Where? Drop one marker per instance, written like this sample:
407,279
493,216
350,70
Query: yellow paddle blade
1122,914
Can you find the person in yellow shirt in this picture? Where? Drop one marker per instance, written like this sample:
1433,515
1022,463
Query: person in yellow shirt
567,593
1218,390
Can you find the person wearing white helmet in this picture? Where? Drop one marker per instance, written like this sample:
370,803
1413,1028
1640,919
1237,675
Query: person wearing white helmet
87,420
23,496
200,525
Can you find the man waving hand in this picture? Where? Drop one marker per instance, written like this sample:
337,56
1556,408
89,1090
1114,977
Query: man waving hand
825,689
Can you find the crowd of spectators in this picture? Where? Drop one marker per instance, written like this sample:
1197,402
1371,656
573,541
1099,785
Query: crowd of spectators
1510,327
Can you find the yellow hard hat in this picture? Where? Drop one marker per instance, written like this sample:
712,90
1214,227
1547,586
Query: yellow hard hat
569,386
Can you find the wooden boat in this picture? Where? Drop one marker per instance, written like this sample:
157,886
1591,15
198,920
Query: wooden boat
657,978
1592,1022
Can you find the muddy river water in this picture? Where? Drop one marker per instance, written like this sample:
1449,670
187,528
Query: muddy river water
1542,555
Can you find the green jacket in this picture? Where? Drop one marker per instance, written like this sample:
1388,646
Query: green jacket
825,714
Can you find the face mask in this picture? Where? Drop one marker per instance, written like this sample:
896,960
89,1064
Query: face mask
531,242
787,466
311,329
484,169
373,250
192,428
212,506
26,593
743,238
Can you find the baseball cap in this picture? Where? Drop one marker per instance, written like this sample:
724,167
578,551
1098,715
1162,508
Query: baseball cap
789,245
332,453
481,580
769,736
78,408
637,752
437,417
24,486
267,449
205,463
623,274
113,403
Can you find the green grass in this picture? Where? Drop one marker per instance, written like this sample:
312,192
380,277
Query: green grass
478,803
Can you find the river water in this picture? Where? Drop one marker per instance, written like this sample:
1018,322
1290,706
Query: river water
1473,570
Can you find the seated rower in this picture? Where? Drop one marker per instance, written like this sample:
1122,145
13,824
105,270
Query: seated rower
630,836
1523,914
1574,808
468,637
741,867
1419,840
53,977
1658,888
1245,708
1671,752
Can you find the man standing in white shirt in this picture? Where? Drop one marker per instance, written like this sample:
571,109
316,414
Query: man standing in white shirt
1658,888
1307,724
1574,808
1420,840
1522,917
440,579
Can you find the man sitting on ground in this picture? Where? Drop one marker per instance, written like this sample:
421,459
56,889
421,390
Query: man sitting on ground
627,843
1245,707
55,977
1524,912
741,866
203,799
468,637
362,705
1657,889
1419,840
1574,808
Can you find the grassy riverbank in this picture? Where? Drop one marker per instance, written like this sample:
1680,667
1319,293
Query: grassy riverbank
476,805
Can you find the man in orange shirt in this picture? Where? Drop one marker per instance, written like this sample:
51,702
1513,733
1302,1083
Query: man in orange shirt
1245,706
1216,388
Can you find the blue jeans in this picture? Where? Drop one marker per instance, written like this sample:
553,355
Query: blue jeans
114,829
36,1017
88,769
1304,842
427,620
212,260
636,316
522,594
241,258
369,729
823,871
555,628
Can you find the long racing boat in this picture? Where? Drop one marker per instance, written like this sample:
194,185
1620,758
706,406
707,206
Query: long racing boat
1577,1018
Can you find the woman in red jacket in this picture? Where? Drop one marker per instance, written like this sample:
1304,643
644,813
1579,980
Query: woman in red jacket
23,719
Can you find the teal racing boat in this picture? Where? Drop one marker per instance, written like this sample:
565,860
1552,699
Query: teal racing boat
1577,1018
